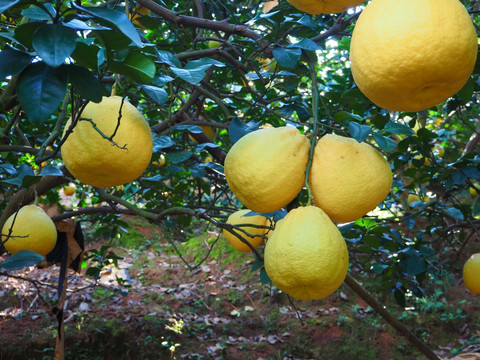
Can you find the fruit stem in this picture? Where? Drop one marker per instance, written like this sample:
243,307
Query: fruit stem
315,96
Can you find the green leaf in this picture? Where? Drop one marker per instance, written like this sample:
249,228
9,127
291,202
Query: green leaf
359,132
12,62
257,264
385,143
455,213
114,18
41,89
194,129
51,171
193,76
36,12
24,33
397,128
344,115
162,142
306,44
287,57
21,259
85,83
179,156
7,4
157,94
168,58
203,63
137,66
466,92
85,55
264,279
54,43
238,129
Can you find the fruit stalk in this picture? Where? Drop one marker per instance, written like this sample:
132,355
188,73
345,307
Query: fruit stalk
392,320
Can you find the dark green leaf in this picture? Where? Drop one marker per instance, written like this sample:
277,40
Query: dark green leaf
51,171
179,156
455,213
307,21
399,296
28,180
114,18
35,12
238,129
80,25
397,128
12,62
358,132
168,58
193,76
41,89
344,115
157,94
466,92
24,33
7,4
264,279
385,143
162,142
203,63
54,43
85,55
379,268
287,57
21,259
257,264
137,66
306,44
85,83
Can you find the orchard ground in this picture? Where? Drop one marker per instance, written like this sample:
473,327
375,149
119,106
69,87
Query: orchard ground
218,310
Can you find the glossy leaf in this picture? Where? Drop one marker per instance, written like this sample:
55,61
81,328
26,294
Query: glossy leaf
36,12
359,132
238,129
21,259
137,66
12,62
7,4
287,57
41,89
54,43
85,83
157,94
115,18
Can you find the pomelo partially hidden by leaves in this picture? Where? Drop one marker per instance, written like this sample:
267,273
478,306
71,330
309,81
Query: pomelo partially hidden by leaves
471,274
32,230
239,219
98,161
316,7
306,255
265,169
348,179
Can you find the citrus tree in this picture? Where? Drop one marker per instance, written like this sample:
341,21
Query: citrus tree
202,75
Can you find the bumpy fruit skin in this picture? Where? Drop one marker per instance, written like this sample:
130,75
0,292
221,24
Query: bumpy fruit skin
347,178
316,7
410,55
32,230
265,169
238,218
96,161
471,274
306,256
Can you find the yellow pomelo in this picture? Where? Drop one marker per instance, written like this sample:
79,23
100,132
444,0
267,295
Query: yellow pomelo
316,7
93,159
265,169
306,256
32,230
410,55
348,179
238,218
471,274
